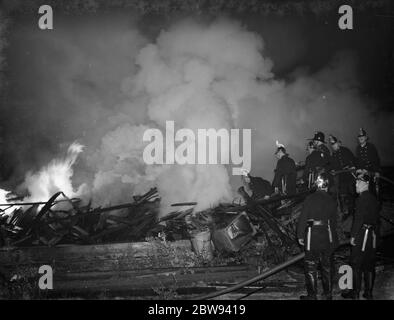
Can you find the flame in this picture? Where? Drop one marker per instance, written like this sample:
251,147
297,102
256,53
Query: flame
5,211
3,196
54,177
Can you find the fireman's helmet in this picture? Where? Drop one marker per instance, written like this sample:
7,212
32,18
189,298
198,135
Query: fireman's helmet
362,133
364,177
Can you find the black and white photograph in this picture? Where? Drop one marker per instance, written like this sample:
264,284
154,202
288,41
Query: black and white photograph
193,156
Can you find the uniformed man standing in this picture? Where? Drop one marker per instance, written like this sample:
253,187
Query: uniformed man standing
342,159
367,160
315,163
363,240
320,143
285,172
316,231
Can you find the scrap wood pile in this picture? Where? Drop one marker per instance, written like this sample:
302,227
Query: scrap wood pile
274,219
68,221
273,225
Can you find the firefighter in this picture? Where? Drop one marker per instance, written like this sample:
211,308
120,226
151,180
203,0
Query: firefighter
363,240
285,172
315,163
367,160
320,143
254,188
342,159
316,232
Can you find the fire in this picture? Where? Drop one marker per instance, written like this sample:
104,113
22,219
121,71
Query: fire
55,177
6,211
3,196
42,185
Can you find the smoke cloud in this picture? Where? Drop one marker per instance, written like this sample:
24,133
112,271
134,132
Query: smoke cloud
106,84
3,44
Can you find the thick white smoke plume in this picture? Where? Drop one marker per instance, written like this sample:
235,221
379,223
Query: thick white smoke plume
216,76
191,76
199,75
185,74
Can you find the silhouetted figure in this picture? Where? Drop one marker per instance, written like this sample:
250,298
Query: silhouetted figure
317,232
363,240
285,173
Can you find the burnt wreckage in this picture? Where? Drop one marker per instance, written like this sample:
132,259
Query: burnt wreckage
126,248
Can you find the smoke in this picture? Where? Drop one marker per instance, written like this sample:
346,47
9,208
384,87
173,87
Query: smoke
216,76
3,44
119,167
182,74
105,84
65,85
3,41
4,25
328,100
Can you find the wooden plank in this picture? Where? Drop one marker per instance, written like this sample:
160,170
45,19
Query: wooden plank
150,281
97,266
149,272
88,253
121,267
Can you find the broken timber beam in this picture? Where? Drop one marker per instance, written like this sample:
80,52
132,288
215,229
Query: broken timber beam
262,276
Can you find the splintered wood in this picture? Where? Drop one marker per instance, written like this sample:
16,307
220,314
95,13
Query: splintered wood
67,221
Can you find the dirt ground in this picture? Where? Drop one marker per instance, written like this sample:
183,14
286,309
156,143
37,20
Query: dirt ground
383,290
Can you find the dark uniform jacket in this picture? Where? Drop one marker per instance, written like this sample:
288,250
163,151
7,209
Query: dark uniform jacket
260,188
340,159
367,158
323,148
322,207
314,162
367,212
365,232
285,169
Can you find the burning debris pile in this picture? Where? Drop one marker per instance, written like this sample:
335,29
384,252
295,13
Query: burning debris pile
193,74
70,217
67,221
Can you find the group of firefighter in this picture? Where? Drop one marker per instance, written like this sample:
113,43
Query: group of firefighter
341,179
